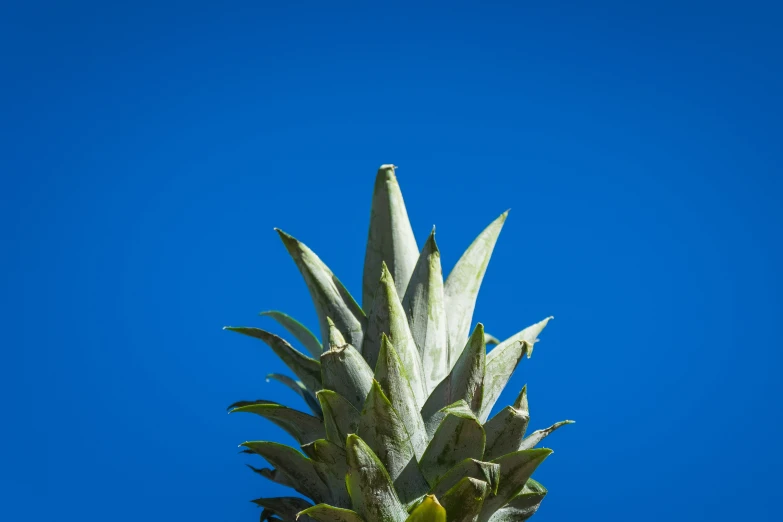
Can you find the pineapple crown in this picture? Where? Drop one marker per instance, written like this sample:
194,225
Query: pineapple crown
400,392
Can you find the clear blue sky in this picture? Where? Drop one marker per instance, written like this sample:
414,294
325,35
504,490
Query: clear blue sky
149,150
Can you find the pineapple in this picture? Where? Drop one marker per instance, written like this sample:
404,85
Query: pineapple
400,391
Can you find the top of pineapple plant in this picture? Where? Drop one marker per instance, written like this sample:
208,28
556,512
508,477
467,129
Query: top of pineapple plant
400,390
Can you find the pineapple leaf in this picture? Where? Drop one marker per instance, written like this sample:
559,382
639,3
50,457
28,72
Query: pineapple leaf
300,389
466,379
503,360
390,238
327,513
298,330
332,466
459,436
539,435
330,297
286,507
424,306
273,475
391,375
301,426
484,471
523,506
340,417
345,372
506,430
308,370
429,510
239,404
515,470
372,492
299,470
388,317
490,339
462,285
463,501
384,432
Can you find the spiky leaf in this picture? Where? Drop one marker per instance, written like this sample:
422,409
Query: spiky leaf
539,435
308,370
371,489
429,510
332,466
300,389
463,502
330,297
391,375
388,317
506,430
340,417
462,285
346,372
273,475
459,436
384,432
424,307
465,381
484,471
327,513
390,238
523,506
515,470
503,360
299,469
298,330
286,507
301,426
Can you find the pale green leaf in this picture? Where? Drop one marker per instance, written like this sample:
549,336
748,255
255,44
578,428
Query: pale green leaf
523,506
506,430
330,297
462,285
390,238
515,470
286,507
306,369
424,307
332,466
300,389
429,510
340,418
539,435
459,436
273,475
388,317
299,470
463,501
490,339
384,432
298,330
503,360
464,381
345,371
484,471
391,375
371,489
327,513
301,426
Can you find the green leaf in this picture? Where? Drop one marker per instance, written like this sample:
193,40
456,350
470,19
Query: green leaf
429,510
332,466
463,501
299,469
308,370
465,381
424,307
301,426
299,388
539,435
286,507
384,432
388,317
239,404
340,417
506,430
330,297
462,285
345,371
515,470
459,436
490,339
523,506
484,471
391,375
503,360
327,513
390,238
298,330
371,489
273,475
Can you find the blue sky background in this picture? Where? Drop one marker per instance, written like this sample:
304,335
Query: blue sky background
148,151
